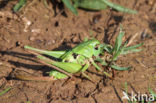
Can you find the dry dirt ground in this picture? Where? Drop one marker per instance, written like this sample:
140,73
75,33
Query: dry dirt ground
54,27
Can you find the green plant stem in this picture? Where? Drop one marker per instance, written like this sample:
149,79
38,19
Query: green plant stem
6,90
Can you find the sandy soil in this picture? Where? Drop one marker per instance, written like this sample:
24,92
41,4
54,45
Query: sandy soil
56,28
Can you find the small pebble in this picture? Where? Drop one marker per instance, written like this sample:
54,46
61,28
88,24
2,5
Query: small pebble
35,34
48,42
143,76
32,38
36,30
75,39
38,41
53,41
18,43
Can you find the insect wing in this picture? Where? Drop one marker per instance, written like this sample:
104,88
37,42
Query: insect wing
68,67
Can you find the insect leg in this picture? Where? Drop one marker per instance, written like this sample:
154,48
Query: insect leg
56,54
84,69
47,61
97,67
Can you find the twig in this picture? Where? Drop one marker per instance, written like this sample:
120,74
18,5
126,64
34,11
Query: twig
132,39
142,64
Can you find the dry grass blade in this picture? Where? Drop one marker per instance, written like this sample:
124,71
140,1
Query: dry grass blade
132,39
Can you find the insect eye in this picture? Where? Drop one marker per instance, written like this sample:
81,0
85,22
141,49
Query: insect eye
96,48
75,55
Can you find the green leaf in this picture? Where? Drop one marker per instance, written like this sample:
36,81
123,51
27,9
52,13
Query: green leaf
118,42
90,4
131,51
133,47
45,3
115,56
19,5
120,68
151,92
6,90
101,61
69,5
117,50
107,47
126,89
119,8
85,39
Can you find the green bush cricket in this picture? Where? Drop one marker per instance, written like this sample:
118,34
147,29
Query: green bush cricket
75,60
81,56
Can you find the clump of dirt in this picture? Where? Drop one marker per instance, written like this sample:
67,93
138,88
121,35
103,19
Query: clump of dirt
57,29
